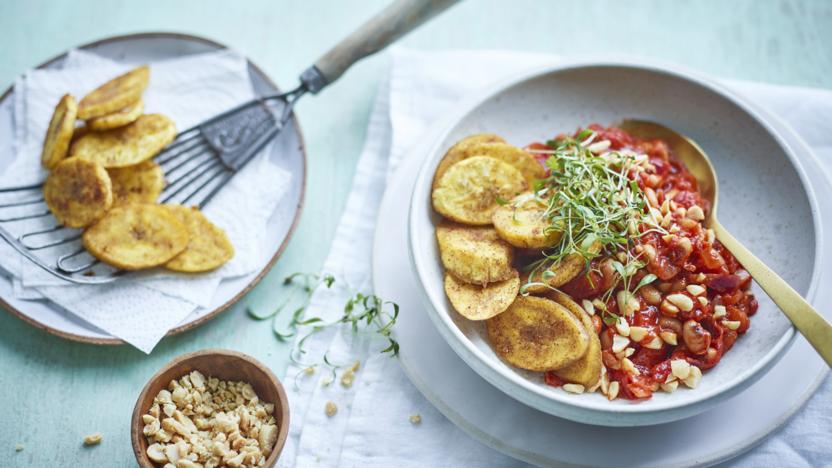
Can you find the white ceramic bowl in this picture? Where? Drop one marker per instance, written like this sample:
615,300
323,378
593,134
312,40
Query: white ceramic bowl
764,200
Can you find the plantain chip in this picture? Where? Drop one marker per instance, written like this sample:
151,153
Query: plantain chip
58,136
475,302
128,145
117,119
462,150
471,190
474,254
114,95
141,183
586,370
562,272
136,236
536,288
537,334
509,154
80,130
208,248
78,192
523,223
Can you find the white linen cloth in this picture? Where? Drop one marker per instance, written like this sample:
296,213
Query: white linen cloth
372,428
141,309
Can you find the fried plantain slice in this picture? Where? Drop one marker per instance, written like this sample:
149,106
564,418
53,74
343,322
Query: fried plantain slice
136,236
586,370
208,248
470,191
475,302
141,183
128,145
58,136
560,273
474,254
80,130
537,334
509,154
78,192
116,94
523,223
462,150
117,119
536,288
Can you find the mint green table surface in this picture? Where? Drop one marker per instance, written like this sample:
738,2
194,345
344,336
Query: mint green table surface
54,392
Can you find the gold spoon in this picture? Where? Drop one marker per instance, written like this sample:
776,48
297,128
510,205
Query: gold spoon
803,316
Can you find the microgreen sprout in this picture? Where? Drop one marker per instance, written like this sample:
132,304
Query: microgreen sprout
363,313
593,201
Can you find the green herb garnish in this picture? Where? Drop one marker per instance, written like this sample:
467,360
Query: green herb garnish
594,202
363,312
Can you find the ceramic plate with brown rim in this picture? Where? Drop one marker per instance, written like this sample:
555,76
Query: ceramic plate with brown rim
224,365
287,153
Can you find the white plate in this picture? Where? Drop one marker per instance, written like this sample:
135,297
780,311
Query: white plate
288,153
760,178
501,422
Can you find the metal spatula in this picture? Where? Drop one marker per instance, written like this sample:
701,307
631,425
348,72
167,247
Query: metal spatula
202,159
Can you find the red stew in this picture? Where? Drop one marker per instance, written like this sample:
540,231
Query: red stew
700,302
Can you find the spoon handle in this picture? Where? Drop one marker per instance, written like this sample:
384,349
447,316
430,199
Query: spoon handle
803,316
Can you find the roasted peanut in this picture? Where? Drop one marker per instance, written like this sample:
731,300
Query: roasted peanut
650,295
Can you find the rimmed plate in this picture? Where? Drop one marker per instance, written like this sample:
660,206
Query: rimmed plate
287,152
504,424
748,155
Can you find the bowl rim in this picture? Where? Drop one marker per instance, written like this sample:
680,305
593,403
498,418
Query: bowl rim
282,418
510,381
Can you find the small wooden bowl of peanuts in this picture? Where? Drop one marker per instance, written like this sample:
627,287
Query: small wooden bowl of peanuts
213,407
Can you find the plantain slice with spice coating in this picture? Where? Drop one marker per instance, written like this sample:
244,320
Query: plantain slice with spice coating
537,334
138,236
523,223
141,183
78,192
116,94
475,302
128,145
586,370
58,136
471,190
463,149
117,119
208,248
474,254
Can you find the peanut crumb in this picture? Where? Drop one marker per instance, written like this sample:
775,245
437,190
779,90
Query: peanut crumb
209,422
330,409
309,370
93,439
347,379
415,419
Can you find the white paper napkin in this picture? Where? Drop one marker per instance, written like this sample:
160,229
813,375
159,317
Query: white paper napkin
372,428
142,309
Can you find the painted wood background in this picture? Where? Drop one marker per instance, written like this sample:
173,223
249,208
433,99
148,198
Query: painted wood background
54,392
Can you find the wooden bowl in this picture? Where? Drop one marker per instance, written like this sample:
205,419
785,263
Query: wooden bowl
224,365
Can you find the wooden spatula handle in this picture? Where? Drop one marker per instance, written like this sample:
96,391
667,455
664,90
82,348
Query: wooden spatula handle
398,19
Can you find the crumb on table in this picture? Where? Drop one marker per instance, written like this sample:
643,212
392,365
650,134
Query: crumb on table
330,409
93,439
